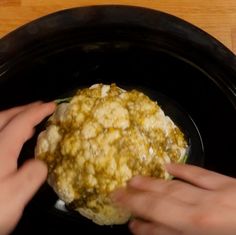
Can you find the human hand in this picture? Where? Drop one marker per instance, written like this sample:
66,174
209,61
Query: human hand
199,202
18,186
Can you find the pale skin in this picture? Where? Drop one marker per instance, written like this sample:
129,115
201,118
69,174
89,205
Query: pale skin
17,186
200,202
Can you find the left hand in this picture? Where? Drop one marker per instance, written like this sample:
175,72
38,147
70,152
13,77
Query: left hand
17,186
200,202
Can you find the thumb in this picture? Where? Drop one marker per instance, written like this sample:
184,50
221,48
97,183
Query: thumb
27,180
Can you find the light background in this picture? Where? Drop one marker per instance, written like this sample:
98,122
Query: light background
217,17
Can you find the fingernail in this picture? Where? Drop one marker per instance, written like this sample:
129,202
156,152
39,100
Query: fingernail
132,224
41,166
135,181
51,106
168,166
117,195
51,103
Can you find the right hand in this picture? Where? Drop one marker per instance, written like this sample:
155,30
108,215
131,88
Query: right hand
202,202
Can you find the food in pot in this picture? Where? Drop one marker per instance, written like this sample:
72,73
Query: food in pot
99,140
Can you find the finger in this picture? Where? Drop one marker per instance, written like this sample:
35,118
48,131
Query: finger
18,130
198,176
174,188
7,115
24,183
154,207
139,227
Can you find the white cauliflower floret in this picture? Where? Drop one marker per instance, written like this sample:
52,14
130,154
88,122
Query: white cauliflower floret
48,140
101,139
111,114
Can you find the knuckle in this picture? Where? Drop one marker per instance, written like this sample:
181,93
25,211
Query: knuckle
204,220
173,187
154,230
153,207
220,199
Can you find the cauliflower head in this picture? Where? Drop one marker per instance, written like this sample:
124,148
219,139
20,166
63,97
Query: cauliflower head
99,140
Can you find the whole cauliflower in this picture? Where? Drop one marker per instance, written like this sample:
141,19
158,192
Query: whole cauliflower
99,140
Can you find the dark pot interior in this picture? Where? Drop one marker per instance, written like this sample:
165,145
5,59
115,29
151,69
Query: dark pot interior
187,71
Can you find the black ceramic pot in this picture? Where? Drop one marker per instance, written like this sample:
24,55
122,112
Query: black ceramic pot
191,75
